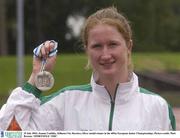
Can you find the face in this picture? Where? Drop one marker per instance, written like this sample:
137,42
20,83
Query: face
107,51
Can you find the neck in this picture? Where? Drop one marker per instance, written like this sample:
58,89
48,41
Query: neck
111,82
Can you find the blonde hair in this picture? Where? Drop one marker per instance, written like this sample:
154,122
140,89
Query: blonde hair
109,16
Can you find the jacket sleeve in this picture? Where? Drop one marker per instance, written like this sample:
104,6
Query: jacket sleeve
25,106
166,116
172,118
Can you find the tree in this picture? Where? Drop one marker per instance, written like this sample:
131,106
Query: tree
155,23
3,33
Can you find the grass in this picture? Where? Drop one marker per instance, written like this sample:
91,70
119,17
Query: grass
156,62
70,70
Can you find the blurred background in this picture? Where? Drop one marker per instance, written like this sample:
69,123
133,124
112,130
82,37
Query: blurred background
156,37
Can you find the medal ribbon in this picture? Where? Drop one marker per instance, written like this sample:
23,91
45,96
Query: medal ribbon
53,52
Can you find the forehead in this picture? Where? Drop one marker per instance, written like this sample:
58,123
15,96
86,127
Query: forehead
104,31
104,35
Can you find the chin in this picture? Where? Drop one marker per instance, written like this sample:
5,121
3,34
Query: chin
109,72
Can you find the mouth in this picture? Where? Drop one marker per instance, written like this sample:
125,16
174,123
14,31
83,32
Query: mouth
107,64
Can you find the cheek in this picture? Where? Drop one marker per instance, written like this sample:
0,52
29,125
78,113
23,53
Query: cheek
123,56
92,57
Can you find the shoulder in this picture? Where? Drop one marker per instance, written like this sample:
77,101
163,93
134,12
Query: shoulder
159,105
76,89
152,96
153,101
82,88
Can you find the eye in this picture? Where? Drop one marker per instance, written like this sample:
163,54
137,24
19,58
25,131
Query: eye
113,44
96,46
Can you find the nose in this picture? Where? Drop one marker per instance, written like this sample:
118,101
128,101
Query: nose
105,53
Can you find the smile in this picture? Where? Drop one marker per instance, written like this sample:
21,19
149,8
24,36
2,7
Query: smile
107,63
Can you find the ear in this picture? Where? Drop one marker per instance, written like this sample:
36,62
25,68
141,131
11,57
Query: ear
129,51
130,45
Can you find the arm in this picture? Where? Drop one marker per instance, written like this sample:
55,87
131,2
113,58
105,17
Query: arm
23,104
172,118
24,110
19,105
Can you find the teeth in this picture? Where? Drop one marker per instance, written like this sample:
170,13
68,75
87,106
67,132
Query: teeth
107,63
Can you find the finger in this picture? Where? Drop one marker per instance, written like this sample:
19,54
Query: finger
51,62
47,47
43,52
52,45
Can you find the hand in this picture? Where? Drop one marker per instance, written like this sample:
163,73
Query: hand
37,61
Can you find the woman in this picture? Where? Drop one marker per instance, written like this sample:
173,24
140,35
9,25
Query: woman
112,101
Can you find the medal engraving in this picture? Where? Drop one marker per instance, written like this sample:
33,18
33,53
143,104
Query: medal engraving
44,81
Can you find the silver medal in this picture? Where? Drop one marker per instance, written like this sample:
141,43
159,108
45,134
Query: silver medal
44,80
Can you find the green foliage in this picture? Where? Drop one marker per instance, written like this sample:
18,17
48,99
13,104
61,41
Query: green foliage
155,23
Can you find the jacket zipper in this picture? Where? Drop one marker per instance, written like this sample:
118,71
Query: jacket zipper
112,108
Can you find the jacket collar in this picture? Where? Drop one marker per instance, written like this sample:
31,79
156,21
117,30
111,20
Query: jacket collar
124,93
